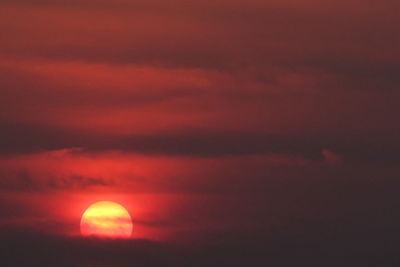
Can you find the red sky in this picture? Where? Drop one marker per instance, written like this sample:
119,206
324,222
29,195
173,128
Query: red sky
201,117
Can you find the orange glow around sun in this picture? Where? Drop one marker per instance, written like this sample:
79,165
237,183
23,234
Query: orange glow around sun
106,219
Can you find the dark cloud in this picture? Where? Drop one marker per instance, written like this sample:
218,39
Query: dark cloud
76,182
200,143
347,246
42,250
24,181
357,74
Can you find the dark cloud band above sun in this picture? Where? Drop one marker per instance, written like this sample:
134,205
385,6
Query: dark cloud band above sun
199,143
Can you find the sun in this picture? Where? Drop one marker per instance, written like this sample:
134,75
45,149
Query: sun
106,219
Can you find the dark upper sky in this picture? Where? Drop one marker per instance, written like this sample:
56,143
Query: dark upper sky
248,132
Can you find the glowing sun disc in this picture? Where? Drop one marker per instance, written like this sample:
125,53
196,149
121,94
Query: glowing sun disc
106,219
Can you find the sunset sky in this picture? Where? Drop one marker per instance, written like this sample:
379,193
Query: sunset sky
249,132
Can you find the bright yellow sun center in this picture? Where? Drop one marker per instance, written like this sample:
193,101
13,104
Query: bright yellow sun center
106,219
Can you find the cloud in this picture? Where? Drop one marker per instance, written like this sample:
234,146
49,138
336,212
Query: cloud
209,143
91,100
47,171
218,35
331,157
311,245
204,199
25,182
